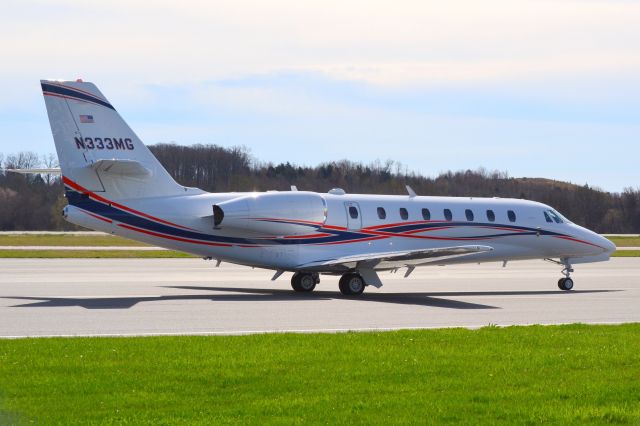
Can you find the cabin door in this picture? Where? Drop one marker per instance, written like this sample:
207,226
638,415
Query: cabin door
354,216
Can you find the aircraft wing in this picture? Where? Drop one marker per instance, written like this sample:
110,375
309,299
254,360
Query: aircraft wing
397,259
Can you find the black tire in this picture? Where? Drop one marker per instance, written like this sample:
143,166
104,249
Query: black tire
303,282
351,284
567,284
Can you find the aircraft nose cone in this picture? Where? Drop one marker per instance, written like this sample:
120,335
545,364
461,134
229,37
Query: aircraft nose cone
608,245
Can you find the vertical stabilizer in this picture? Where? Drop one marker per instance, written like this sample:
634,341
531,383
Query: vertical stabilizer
96,149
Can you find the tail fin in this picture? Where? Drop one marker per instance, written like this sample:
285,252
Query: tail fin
97,150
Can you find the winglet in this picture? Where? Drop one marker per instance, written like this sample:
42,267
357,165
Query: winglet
411,192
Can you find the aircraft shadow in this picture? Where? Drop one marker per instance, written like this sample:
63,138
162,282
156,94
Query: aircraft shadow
427,299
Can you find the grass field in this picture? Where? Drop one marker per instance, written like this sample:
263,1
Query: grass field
138,254
524,375
91,254
625,241
626,253
108,240
111,240
65,240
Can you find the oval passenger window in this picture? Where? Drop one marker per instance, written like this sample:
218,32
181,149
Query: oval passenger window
469,214
353,212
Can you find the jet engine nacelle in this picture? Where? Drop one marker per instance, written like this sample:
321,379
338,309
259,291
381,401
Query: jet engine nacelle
272,213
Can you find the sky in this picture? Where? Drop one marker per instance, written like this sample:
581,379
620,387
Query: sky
534,88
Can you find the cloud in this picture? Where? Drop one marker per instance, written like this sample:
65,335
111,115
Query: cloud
317,80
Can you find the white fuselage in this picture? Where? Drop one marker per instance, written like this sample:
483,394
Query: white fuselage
283,230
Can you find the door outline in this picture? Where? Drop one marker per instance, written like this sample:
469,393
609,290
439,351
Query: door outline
353,223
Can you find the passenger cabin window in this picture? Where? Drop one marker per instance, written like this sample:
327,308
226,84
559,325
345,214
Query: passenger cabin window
469,214
353,212
491,216
511,215
404,214
547,217
382,214
426,214
447,215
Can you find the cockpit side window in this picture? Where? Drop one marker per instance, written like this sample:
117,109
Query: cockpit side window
555,216
547,217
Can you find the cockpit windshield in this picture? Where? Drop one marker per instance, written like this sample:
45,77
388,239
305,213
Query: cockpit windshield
552,215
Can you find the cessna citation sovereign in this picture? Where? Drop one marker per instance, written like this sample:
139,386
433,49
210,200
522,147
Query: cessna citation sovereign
114,184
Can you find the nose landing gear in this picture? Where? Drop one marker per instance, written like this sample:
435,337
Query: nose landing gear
566,283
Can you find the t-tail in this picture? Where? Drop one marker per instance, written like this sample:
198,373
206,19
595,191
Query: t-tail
98,152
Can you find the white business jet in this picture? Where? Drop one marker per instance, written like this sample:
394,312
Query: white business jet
114,184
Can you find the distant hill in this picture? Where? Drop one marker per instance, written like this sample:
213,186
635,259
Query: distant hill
32,203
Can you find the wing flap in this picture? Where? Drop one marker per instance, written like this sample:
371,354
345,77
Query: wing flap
398,259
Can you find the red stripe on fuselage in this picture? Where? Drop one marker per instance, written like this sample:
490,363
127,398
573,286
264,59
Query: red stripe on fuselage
98,217
171,237
97,197
564,237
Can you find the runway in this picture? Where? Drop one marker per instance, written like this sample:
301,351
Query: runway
95,297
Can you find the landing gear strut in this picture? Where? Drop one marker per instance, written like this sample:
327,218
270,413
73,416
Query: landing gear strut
351,284
304,282
566,283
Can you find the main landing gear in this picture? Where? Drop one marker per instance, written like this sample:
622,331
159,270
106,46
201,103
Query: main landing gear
351,284
304,282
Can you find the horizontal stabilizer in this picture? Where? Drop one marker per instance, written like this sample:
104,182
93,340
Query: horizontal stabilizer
121,167
53,171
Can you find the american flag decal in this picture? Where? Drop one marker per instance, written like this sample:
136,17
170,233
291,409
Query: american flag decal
86,119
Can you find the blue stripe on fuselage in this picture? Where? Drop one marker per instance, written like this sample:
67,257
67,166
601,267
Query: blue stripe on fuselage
86,203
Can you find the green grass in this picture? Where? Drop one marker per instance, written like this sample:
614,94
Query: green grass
65,240
625,241
525,375
626,253
91,254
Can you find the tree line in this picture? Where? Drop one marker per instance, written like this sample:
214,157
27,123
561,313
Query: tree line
34,202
